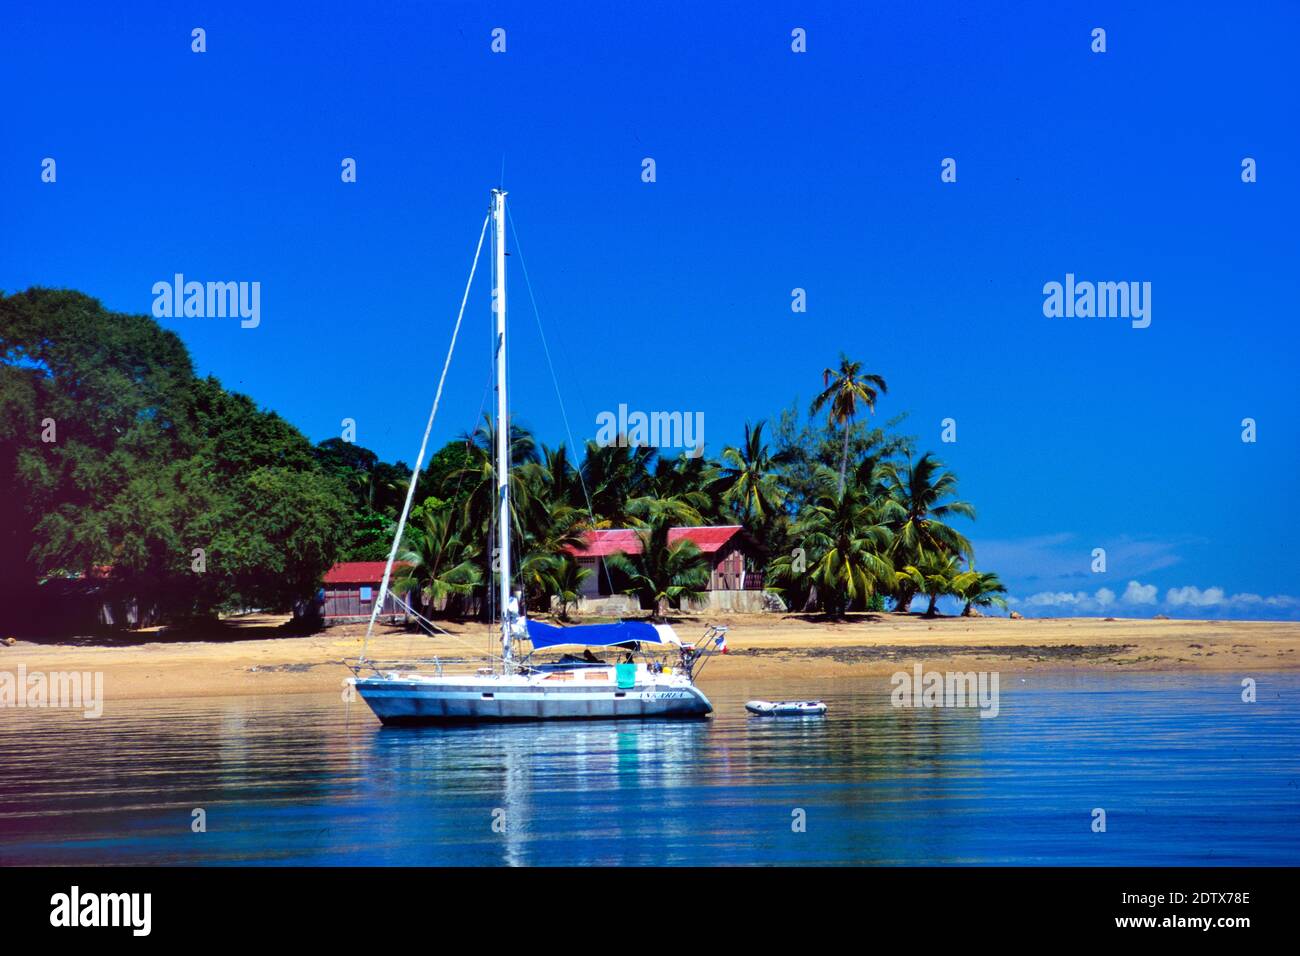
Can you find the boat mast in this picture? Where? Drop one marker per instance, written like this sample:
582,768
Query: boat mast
503,428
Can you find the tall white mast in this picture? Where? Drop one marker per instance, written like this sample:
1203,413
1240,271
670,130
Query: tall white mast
503,426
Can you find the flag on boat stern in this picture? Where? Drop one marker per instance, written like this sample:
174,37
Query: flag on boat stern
720,642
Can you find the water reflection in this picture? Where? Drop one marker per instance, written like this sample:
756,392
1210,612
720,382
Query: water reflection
1186,772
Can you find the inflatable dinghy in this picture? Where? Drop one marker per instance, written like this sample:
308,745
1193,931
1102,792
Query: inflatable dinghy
786,708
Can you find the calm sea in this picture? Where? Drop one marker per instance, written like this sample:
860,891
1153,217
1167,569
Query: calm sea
1185,771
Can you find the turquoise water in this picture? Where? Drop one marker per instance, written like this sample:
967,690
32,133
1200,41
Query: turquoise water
1186,772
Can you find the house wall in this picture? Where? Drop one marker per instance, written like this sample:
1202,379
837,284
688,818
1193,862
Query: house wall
729,570
609,605
728,565
742,602
590,588
344,602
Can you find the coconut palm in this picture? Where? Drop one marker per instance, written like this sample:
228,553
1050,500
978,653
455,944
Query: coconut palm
548,525
564,484
677,492
537,574
663,573
980,589
924,494
748,475
844,544
843,391
475,482
932,574
686,485
614,475
568,583
441,566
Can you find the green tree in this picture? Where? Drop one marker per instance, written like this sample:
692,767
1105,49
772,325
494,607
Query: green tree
614,476
442,568
749,478
568,583
842,559
177,493
663,573
980,589
926,499
934,575
844,389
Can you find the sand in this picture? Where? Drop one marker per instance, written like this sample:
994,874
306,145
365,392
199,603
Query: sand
251,655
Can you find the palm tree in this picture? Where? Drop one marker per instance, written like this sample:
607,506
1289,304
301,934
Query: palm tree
663,572
548,523
537,573
442,566
615,475
681,488
980,589
933,574
923,492
475,482
748,474
846,541
562,478
568,583
843,390
677,493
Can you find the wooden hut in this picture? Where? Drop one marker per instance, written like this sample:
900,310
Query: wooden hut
351,588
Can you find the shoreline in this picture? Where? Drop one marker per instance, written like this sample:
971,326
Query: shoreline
251,656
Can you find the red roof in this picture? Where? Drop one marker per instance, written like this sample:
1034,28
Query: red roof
359,572
611,540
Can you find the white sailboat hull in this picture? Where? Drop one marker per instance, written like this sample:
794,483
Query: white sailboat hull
412,699
590,690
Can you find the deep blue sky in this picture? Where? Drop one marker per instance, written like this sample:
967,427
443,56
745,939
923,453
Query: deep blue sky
775,170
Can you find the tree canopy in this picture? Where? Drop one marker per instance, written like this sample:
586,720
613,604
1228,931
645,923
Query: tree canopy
128,469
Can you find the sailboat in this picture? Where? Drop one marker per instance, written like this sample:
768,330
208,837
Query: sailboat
653,674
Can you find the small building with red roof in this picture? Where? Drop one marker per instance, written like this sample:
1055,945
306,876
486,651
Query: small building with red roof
735,579
351,588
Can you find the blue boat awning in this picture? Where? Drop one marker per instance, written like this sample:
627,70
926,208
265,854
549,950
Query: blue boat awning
600,635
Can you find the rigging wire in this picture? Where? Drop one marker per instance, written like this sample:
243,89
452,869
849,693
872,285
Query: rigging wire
424,445
460,479
555,381
430,626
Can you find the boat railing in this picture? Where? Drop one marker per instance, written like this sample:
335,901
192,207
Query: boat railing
704,649
438,665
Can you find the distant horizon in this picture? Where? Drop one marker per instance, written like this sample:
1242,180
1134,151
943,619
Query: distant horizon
774,173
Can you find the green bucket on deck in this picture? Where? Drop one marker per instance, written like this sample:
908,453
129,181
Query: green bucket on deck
625,674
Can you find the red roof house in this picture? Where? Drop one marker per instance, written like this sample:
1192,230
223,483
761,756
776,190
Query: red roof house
351,588
361,572
736,565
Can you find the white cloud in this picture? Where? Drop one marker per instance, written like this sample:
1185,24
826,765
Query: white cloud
1188,599
1053,598
1194,597
1254,600
1074,600
1137,593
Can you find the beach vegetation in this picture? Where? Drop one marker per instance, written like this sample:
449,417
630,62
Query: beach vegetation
150,461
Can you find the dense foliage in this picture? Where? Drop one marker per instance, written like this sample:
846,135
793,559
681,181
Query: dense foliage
120,462
122,466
